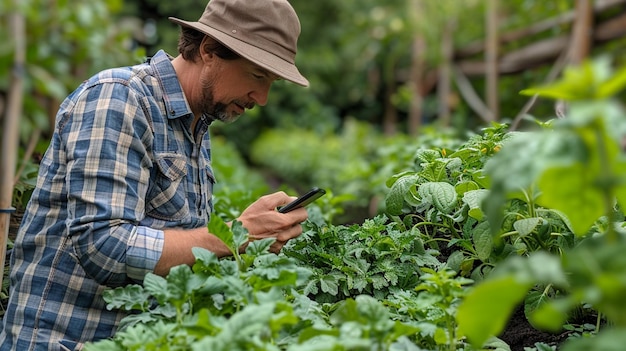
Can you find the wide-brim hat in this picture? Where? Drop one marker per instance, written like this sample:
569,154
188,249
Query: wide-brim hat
264,32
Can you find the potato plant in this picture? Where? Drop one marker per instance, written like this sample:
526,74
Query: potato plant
469,232
578,167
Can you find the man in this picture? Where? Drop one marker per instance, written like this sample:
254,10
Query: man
125,186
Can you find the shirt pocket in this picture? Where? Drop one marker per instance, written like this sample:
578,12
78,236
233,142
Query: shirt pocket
167,195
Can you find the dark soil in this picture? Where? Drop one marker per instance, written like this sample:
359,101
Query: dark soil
519,333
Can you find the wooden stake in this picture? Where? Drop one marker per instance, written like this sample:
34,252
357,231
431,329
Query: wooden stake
8,153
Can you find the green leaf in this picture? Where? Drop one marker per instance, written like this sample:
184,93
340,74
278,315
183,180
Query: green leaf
425,156
435,171
614,85
371,309
539,267
346,312
474,199
483,241
157,287
578,83
552,315
608,340
463,187
258,247
206,261
394,200
441,194
454,260
329,284
496,344
533,301
441,337
240,234
182,283
526,226
104,345
486,309
206,257
571,189
220,229
131,297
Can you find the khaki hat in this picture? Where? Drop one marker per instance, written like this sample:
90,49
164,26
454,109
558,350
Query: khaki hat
262,31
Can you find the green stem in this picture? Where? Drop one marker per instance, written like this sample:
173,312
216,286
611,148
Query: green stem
238,259
436,239
432,223
442,225
530,201
452,335
607,181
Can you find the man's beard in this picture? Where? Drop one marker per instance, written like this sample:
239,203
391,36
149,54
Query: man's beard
209,107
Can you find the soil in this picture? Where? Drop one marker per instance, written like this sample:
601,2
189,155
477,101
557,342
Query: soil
519,333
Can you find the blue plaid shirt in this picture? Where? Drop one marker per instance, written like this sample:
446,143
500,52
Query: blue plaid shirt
122,165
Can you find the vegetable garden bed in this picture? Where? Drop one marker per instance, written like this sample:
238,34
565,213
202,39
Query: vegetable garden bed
510,241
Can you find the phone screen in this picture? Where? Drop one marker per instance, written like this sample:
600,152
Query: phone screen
303,200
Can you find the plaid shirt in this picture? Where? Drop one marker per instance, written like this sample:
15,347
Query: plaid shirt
122,165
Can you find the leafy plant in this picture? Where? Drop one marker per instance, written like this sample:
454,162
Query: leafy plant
579,169
372,258
249,302
355,170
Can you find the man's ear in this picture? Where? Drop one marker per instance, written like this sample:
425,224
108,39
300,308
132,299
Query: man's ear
205,49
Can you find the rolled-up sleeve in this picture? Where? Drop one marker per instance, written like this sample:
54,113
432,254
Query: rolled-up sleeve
144,252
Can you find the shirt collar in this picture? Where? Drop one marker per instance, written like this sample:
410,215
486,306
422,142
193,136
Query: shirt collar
173,97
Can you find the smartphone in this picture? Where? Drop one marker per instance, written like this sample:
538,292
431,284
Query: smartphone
303,200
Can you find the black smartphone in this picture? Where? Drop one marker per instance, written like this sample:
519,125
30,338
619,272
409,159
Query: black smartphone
303,200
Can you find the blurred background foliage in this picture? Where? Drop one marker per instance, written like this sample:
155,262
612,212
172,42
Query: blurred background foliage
352,127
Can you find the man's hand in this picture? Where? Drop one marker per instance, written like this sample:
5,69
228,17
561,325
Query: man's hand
260,219
263,221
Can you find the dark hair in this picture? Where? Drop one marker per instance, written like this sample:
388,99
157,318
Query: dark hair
189,45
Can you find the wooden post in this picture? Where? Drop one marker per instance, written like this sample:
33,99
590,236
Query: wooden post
491,58
8,153
582,32
444,85
416,74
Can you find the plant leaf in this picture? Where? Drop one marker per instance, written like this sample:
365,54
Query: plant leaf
395,198
474,199
526,226
441,194
483,241
487,308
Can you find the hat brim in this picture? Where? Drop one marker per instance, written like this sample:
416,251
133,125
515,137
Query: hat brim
264,59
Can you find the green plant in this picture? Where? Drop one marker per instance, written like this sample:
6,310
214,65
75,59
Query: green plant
431,306
373,258
579,168
441,198
249,302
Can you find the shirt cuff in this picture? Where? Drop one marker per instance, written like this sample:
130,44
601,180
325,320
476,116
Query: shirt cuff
145,248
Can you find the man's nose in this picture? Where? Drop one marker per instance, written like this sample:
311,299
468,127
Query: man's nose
260,95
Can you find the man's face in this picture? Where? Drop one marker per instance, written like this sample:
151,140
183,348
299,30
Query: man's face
232,86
